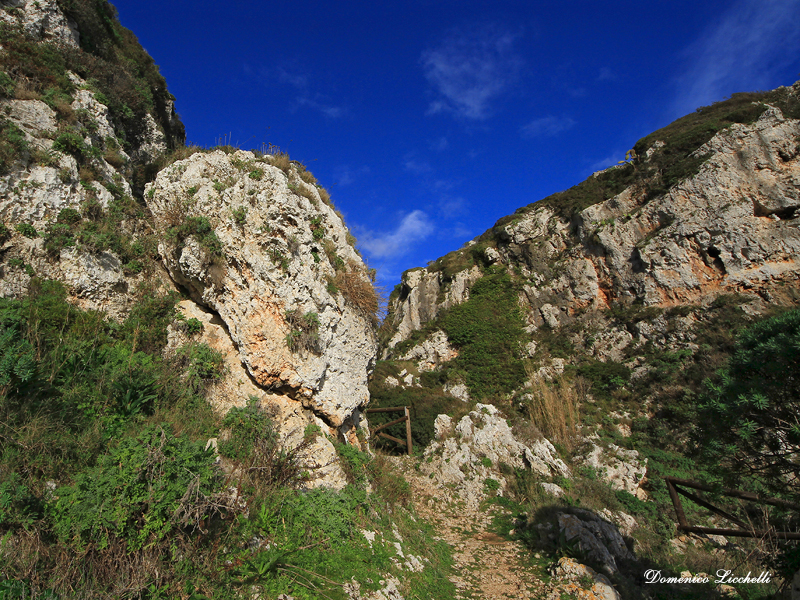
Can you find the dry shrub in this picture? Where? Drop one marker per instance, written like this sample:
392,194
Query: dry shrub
305,192
325,196
359,291
305,174
114,158
553,407
281,160
24,92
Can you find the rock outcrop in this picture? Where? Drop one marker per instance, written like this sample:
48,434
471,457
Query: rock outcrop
731,227
262,266
464,455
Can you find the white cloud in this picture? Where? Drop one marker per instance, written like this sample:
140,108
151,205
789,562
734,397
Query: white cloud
470,68
606,74
546,126
743,51
296,80
413,228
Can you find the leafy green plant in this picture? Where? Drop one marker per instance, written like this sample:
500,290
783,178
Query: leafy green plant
58,236
202,364
256,174
146,488
253,441
28,230
71,143
488,330
200,228
239,215
748,414
317,228
13,145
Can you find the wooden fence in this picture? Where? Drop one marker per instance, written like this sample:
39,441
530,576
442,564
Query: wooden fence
406,417
675,487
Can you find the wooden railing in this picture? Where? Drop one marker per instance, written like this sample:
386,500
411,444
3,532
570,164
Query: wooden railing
406,417
675,485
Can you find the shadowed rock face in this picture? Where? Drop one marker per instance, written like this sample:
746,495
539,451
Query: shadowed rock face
276,250
732,227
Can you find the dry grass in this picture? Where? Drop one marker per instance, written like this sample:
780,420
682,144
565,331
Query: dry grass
359,291
114,158
325,196
281,160
305,174
553,407
24,92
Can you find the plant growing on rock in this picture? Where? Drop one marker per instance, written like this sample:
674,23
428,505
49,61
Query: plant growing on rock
304,331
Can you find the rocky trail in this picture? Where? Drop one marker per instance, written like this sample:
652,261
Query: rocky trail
486,565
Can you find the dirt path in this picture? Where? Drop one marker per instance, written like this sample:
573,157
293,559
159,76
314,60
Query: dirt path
487,566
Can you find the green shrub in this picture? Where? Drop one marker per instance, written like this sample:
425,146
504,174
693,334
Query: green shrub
317,228
605,377
58,236
748,414
5,233
69,216
7,85
146,325
194,326
200,228
252,440
488,330
28,230
257,174
73,144
13,145
202,364
240,215
145,489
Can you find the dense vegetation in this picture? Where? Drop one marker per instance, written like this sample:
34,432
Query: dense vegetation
109,488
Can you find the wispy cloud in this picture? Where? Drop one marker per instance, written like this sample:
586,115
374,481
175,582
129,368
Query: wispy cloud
450,206
346,175
606,74
546,126
413,228
305,96
297,80
418,167
439,144
329,110
743,51
470,68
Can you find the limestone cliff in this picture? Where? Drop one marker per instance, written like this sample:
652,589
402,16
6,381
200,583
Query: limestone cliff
276,261
729,227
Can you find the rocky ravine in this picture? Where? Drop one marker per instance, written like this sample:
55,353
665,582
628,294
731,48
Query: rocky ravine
732,227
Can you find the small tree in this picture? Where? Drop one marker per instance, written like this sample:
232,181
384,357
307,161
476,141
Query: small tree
750,418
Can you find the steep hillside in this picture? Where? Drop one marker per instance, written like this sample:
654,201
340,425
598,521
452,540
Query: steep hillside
600,317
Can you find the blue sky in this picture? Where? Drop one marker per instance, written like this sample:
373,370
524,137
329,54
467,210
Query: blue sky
429,120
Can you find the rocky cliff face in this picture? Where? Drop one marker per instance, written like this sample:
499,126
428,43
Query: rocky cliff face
733,227
265,262
272,275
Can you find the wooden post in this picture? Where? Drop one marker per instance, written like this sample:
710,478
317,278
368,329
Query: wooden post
408,432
